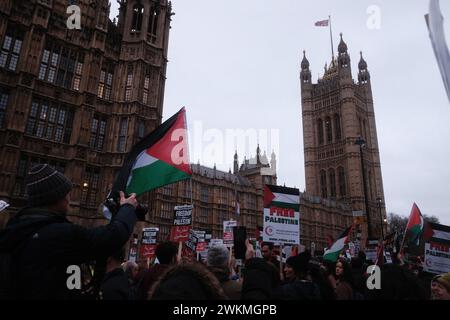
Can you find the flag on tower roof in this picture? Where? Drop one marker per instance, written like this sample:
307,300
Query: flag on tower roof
322,23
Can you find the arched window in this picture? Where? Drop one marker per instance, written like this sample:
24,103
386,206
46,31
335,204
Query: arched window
360,128
337,127
153,25
320,130
332,177
138,13
323,183
366,137
370,191
328,129
342,186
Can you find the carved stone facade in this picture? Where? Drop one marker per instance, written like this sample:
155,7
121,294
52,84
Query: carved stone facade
78,99
336,111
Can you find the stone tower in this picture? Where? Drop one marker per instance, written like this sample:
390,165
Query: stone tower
78,99
336,112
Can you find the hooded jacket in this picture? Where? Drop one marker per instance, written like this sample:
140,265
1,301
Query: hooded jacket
44,244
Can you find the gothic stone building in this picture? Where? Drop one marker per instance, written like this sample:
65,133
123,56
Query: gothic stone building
217,196
336,111
78,99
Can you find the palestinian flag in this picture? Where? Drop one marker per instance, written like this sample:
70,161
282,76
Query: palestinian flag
417,225
332,253
281,197
159,159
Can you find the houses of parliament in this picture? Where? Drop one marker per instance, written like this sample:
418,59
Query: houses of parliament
80,99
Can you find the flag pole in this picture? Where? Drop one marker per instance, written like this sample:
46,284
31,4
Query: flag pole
331,37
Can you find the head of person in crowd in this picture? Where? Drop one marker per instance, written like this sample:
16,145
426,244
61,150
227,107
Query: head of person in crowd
187,281
440,287
131,269
48,188
300,265
115,260
266,250
260,278
218,256
166,253
343,271
289,271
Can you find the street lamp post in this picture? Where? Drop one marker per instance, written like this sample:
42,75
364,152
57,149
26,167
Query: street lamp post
361,143
381,217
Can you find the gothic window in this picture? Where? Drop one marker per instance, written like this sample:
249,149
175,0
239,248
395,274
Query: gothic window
337,127
342,186
98,133
129,84
369,187
204,194
320,130
153,24
332,178
328,130
61,66
141,129
90,187
105,83
50,121
360,128
138,13
146,88
23,167
323,183
4,97
366,137
122,135
10,50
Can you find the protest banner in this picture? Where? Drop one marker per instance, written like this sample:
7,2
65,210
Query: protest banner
148,243
228,232
281,215
181,223
437,250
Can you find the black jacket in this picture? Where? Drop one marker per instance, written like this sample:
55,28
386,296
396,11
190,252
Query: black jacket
45,244
298,290
116,286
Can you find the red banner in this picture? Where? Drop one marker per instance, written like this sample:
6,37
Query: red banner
179,233
201,246
147,251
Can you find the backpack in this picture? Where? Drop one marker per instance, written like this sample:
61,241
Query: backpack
9,274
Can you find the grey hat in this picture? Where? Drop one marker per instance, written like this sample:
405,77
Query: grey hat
45,185
218,256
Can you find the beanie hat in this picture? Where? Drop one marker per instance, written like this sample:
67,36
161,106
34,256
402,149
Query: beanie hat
444,279
45,185
218,256
299,262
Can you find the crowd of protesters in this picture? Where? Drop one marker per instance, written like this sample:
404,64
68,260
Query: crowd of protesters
39,243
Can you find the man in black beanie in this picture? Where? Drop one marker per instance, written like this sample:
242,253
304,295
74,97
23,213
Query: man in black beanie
45,246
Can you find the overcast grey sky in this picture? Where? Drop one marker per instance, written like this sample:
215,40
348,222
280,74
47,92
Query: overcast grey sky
235,65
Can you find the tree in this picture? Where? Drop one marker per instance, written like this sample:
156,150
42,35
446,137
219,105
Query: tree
397,223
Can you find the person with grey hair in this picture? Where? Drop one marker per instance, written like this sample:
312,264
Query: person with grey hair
131,269
217,261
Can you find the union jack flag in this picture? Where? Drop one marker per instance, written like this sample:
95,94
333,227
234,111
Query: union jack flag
323,23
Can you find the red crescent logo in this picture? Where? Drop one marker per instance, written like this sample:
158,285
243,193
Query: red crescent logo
269,230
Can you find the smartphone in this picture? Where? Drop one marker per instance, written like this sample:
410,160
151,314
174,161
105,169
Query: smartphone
239,235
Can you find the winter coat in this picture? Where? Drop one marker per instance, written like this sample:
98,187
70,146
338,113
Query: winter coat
231,288
298,290
344,291
45,244
115,286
